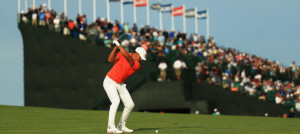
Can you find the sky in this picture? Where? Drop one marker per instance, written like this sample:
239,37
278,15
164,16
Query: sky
266,28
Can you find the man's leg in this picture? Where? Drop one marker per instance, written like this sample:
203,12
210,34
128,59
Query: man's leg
112,93
128,103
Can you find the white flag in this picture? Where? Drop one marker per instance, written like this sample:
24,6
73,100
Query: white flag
155,6
190,13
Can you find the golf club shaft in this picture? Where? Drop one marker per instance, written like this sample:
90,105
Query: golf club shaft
121,37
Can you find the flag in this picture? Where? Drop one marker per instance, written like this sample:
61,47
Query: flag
190,13
155,6
127,2
140,3
124,1
166,8
202,14
177,11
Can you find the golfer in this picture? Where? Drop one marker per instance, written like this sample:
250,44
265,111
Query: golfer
125,65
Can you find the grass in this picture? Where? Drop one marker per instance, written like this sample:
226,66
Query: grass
36,120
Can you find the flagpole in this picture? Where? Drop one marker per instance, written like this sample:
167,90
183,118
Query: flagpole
79,6
134,12
33,3
94,10
107,8
49,4
160,17
148,14
207,25
184,24
196,21
172,18
26,6
19,6
160,20
122,15
65,7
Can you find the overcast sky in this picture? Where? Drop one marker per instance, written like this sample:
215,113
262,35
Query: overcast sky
266,28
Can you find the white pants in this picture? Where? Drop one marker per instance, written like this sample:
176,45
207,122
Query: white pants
115,91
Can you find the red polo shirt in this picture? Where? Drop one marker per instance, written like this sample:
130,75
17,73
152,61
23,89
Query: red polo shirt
122,70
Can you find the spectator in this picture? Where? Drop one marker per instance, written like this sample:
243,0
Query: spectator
24,17
75,30
79,19
84,19
126,27
198,70
162,67
66,30
292,113
178,65
56,23
293,67
81,35
71,25
216,112
257,78
34,17
42,18
161,39
47,17
110,25
297,104
279,99
135,28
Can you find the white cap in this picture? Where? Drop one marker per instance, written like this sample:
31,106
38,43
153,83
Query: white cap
142,52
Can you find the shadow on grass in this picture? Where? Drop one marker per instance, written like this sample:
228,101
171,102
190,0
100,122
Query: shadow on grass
141,129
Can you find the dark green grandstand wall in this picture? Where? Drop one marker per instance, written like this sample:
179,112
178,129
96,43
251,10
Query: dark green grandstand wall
189,97
230,103
63,72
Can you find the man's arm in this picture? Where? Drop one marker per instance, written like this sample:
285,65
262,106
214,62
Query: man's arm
112,56
124,53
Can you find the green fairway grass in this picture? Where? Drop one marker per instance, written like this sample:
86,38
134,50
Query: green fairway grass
35,120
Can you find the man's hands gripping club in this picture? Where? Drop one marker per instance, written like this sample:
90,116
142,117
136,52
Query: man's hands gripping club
115,42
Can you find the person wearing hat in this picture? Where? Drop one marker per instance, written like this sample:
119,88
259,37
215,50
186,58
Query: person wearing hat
216,112
125,64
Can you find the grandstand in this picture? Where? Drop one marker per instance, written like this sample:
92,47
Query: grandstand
75,46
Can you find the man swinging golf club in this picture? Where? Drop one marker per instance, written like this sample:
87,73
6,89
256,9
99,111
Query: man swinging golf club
125,65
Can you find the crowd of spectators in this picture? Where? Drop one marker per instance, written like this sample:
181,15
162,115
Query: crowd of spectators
182,57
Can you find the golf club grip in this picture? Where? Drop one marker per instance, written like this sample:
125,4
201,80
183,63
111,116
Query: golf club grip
119,40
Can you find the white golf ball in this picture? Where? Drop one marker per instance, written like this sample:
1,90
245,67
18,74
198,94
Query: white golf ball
156,131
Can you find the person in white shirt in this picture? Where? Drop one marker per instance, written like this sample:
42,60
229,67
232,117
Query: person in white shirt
23,17
162,67
34,18
257,78
243,74
56,22
178,65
